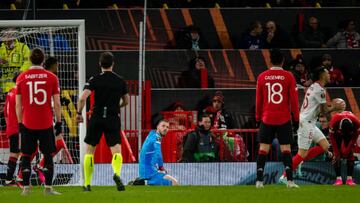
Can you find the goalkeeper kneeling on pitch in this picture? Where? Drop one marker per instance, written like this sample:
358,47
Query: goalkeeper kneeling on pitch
151,168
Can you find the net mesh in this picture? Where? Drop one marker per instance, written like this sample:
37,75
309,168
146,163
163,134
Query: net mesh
60,42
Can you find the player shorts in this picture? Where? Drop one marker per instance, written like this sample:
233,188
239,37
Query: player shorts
158,179
14,143
308,133
109,126
30,138
283,132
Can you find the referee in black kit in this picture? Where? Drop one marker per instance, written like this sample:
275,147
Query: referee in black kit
111,93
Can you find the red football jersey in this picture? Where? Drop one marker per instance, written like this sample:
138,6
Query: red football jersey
12,126
276,97
36,87
334,131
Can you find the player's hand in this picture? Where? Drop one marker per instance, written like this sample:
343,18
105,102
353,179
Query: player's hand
22,129
295,125
257,124
335,159
58,128
79,118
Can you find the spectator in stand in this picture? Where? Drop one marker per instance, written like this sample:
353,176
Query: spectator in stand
190,37
192,78
300,72
276,37
200,145
221,118
252,38
336,76
323,125
312,36
347,37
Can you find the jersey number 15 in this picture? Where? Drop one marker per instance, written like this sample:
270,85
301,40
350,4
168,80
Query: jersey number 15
35,90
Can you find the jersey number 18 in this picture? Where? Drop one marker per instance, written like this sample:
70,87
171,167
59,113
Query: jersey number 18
274,96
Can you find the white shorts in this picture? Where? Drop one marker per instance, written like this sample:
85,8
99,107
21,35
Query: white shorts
308,133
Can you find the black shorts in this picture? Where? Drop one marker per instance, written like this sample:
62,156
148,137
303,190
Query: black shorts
283,132
30,138
14,143
109,126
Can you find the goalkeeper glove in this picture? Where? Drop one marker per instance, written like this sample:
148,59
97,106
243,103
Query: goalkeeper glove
58,129
162,170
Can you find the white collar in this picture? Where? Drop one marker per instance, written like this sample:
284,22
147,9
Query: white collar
276,68
36,67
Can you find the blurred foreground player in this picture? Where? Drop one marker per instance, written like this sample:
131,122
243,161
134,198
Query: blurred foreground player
344,131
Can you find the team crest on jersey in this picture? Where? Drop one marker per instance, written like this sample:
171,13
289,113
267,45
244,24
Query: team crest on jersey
322,95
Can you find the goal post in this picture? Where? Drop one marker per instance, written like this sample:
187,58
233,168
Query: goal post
64,40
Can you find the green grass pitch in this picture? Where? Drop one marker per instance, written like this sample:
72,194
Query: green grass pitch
183,194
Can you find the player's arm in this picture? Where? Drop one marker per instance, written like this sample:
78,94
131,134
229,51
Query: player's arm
124,100
354,136
333,128
81,104
57,107
259,101
158,159
294,99
18,108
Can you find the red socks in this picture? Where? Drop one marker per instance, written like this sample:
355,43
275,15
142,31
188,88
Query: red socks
314,152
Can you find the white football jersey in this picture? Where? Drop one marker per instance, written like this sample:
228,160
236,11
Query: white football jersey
310,109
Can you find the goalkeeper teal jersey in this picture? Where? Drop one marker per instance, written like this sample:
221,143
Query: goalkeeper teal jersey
150,156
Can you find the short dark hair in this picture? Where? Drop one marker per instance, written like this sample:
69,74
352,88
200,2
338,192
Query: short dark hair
317,72
276,57
50,62
204,115
161,120
346,126
106,59
37,56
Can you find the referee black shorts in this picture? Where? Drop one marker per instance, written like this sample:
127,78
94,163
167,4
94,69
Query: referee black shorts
283,132
109,126
14,143
30,138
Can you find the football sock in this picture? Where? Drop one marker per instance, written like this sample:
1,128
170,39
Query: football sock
48,169
26,169
11,168
88,168
297,159
314,152
260,165
286,155
116,163
350,167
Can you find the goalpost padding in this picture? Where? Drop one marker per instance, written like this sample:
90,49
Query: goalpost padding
64,40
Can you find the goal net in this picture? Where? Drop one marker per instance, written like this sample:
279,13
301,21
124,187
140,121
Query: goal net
64,40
